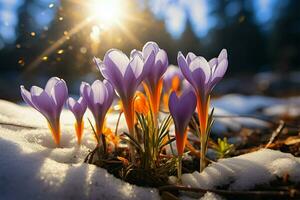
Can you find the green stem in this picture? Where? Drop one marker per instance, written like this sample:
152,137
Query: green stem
202,153
179,168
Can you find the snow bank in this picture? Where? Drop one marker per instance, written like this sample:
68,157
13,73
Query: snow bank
31,168
246,171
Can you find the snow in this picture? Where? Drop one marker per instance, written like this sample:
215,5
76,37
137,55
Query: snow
31,168
246,171
207,196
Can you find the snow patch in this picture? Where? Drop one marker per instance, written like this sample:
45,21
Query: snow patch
246,171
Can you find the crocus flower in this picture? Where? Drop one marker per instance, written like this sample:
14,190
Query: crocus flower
49,102
172,79
141,104
203,76
125,74
153,82
172,82
78,108
181,110
99,97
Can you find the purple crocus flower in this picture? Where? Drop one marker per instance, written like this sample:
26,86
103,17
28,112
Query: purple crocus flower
153,81
78,108
172,79
49,102
203,76
99,97
125,74
181,110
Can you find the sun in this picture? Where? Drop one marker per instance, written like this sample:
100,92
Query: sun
107,12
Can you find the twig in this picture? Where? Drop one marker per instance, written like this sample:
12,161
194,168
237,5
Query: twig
18,125
276,133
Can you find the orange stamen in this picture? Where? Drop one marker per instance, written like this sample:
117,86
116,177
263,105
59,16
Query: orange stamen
140,103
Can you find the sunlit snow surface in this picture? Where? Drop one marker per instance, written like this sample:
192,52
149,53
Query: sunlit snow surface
32,168
246,171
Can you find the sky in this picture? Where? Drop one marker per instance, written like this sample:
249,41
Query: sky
174,13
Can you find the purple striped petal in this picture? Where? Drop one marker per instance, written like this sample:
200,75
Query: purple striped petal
27,96
43,103
190,57
182,109
222,55
59,94
184,67
78,108
50,84
148,48
116,59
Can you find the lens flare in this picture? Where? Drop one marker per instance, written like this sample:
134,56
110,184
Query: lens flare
108,12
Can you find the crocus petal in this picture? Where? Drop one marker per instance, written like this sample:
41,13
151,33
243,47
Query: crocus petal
110,93
182,109
116,59
75,108
112,73
85,91
136,65
134,53
27,96
99,98
219,72
161,64
173,102
82,103
59,94
148,48
184,68
189,57
43,102
201,71
98,92
148,63
222,55
213,62
50,84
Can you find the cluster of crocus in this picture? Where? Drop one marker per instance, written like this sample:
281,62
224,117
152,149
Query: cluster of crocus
50,101
203,75
124,75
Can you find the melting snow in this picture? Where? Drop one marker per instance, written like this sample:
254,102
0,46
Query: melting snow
246,171
31,168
